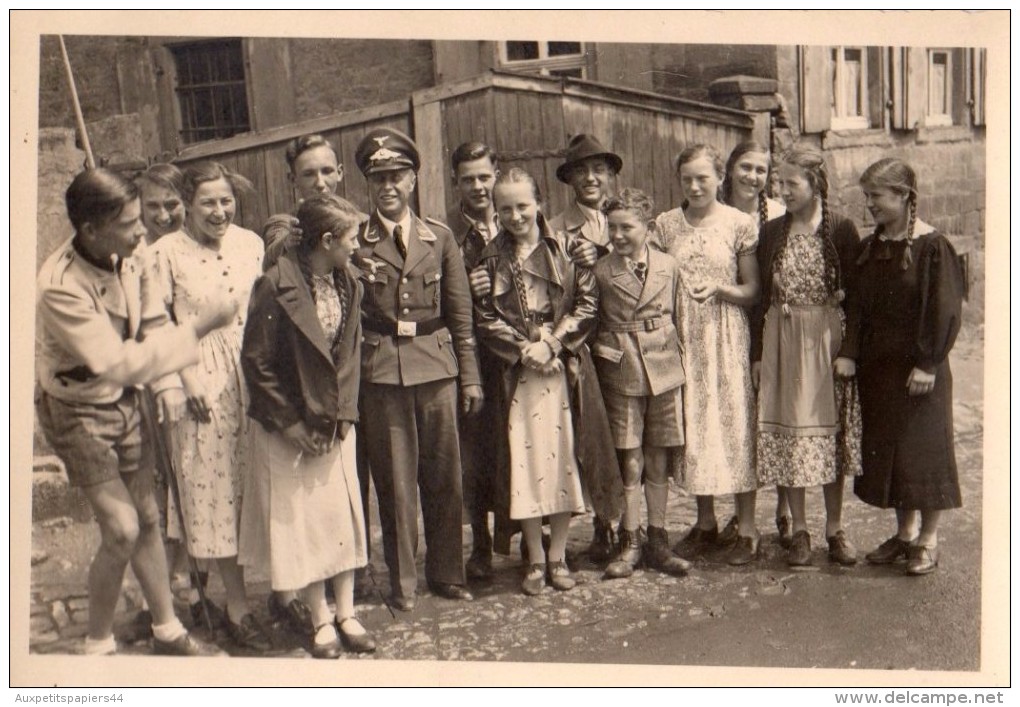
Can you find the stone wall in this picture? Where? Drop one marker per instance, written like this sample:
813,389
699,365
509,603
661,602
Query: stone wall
334,75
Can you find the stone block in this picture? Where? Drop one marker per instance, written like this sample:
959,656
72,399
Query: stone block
742,85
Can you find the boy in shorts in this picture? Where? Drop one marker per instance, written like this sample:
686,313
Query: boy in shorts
106,331
637,354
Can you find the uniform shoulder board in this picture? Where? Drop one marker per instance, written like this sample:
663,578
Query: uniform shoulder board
435,222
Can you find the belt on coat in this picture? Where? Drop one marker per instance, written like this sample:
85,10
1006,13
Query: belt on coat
638,325
404,329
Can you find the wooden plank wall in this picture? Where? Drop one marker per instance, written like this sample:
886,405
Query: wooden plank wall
530,130
528,122
264,163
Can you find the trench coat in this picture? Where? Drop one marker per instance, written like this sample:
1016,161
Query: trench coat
503,330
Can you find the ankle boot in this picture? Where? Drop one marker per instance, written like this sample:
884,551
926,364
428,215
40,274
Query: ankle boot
657,554
627,557
602,546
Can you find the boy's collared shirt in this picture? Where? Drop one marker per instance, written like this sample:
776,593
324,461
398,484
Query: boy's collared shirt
106,329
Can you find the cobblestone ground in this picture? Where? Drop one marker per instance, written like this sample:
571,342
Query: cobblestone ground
763,615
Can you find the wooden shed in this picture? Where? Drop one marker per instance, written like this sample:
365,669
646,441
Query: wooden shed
528,120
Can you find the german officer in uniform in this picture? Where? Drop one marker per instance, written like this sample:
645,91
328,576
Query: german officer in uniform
418,341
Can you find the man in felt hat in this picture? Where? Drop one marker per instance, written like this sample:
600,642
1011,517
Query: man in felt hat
590,169
418,342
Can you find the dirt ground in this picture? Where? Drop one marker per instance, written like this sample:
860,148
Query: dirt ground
864,617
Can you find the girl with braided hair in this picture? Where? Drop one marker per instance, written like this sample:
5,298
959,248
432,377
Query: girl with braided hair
303,517
808,416
747,176
907,317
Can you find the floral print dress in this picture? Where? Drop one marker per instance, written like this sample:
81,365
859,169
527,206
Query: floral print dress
809,421
719,454
210,458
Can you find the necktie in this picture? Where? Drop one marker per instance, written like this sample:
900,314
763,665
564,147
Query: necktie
640,269
398,239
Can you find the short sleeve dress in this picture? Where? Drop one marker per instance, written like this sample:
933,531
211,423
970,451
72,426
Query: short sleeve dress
210,457
719,455
909,315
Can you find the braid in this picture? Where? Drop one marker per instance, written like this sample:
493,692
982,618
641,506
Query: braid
763,209
825,231
305,265
911,222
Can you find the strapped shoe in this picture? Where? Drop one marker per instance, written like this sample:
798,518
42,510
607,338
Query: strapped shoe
730,534
534,580
355,642
186,645
327,651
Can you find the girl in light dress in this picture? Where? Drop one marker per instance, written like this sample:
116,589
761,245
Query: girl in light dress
208,257
715,247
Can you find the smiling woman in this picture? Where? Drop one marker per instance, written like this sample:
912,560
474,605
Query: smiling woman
209,260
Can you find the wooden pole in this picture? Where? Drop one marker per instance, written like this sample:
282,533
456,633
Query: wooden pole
90,161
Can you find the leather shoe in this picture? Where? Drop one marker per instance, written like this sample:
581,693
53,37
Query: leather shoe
186,645
744,551
355,642
800,550
922,559
559,577
402,603
248,634
784,524
216,615
888,552
696,540
479,566
327,651
295,615
627,558
457,592
534,580
730,534
840,550
602,541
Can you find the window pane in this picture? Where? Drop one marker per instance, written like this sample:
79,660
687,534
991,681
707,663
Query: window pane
564,48
937,98
521,51
852,83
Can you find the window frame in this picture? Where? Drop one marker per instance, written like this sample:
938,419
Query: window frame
545,65
944,118
188,134
861,121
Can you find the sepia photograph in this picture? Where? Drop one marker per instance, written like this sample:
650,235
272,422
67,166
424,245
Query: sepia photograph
517,348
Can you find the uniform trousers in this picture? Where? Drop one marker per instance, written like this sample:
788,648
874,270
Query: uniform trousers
412,443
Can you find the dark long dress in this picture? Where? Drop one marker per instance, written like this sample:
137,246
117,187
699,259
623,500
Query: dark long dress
906,318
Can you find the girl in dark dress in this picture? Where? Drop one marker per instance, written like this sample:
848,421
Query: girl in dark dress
908,315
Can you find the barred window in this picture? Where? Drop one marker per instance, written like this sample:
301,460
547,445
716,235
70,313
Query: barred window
211,90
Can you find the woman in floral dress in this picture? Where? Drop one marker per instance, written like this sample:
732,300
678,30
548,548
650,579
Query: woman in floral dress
715,246
808,415
209,259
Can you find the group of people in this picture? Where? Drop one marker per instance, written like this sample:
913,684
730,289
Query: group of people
535,369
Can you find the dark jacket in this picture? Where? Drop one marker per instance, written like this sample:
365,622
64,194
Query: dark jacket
844,243
503,330
287,362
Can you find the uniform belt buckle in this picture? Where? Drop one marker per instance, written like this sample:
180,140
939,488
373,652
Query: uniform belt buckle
651,324
407,328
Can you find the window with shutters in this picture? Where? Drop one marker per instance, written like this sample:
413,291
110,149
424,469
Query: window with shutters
905,88
546,58
940,93
849,88
212,89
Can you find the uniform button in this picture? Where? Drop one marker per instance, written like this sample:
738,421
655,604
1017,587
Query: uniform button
405,310
406,295
371,278
403,280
